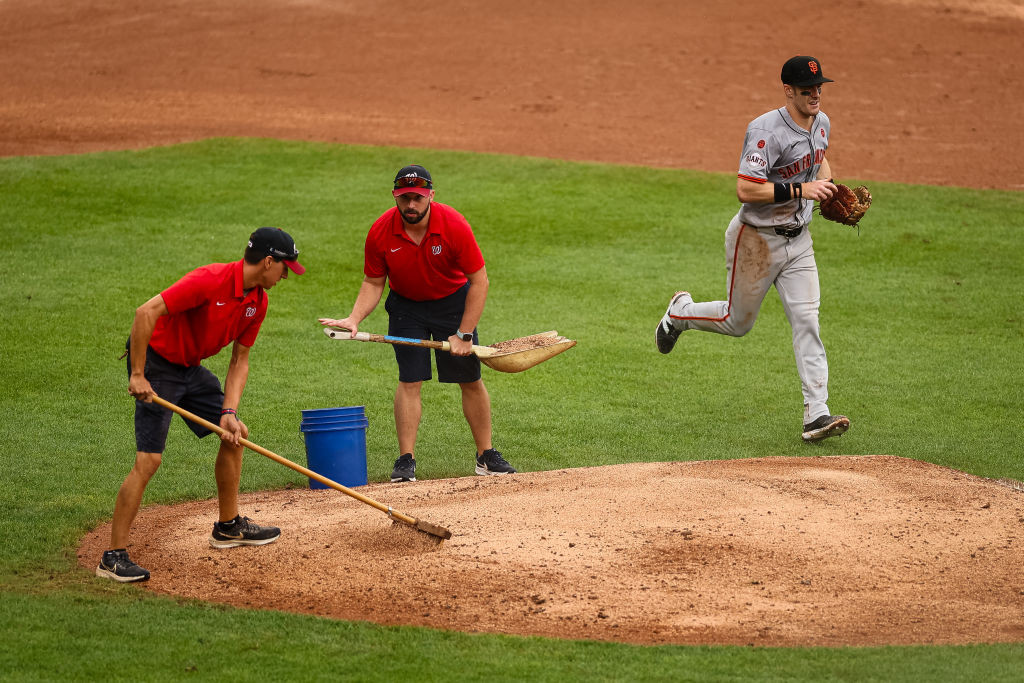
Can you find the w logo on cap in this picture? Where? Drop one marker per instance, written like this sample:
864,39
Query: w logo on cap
813,66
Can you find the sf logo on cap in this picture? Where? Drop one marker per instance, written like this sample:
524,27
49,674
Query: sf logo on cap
813,66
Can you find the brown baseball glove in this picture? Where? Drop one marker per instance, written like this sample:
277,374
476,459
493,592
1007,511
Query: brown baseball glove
846,206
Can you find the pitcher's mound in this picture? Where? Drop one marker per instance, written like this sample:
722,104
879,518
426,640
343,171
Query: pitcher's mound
830,551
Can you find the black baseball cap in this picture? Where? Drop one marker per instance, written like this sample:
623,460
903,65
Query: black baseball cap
279,244
803,70
413,178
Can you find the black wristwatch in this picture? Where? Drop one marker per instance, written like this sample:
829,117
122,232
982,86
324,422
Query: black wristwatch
464,336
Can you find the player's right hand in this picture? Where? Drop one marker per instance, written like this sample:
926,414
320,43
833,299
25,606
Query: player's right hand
140,388
234,429
818,190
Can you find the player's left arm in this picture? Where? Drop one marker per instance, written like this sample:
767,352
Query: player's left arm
750,192
234,384
475,299
824,170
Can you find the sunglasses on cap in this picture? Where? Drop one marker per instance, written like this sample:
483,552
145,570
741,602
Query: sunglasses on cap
281,255
413,181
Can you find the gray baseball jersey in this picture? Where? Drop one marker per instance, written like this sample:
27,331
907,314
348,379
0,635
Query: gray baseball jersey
777,150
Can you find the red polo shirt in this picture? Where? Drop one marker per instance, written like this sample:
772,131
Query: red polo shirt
430,270
207,311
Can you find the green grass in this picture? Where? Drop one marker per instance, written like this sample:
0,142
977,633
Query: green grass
920,317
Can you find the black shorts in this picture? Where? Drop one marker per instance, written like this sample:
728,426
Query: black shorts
195,389
438,320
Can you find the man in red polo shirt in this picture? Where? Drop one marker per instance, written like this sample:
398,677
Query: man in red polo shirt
193,319
429,256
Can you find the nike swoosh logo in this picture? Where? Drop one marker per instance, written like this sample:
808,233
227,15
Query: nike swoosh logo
231,536
394,250
221,303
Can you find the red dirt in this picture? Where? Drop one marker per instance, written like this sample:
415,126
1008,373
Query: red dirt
774,551
924,89
806,551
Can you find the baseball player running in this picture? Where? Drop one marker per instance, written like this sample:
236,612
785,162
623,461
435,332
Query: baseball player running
783,171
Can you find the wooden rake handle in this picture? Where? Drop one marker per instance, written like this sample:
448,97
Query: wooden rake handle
419,524
336,333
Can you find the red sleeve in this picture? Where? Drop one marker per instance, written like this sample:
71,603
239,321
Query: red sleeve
374,263
469,258
189,292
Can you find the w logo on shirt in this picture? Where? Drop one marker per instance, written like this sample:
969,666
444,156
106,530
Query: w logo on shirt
250,311
436,250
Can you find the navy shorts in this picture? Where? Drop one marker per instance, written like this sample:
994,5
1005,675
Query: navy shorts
195,389
438,320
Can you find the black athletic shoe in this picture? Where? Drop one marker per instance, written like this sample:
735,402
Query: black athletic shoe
116,565
405,468
243,531
666,334
491,462
825,426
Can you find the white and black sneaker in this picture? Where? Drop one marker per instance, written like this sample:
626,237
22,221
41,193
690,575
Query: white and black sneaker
667,334
824,427
115,564
242,531
490,462
405,468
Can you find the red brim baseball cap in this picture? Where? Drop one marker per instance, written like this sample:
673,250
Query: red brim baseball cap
422,191
413,178
295,267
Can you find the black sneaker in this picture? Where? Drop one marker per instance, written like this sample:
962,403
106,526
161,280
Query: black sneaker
825,426
491,462
115,565
667,334
405,468
242,532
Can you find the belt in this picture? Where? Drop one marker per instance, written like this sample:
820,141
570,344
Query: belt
790,233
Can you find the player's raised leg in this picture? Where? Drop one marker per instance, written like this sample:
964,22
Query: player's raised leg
752,262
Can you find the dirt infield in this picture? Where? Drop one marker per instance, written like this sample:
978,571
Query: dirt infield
774,551
807,551
923,94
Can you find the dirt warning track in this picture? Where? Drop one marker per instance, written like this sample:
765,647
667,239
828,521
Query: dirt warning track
923,90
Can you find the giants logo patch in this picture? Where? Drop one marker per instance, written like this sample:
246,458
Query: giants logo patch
813,66
756,160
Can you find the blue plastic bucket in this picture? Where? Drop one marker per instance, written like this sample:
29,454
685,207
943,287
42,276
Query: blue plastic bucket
336,450
348,411
332,418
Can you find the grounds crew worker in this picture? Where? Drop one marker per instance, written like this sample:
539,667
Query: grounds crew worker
428,254
194,319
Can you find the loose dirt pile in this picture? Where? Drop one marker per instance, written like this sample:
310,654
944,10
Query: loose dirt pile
533,341
774,551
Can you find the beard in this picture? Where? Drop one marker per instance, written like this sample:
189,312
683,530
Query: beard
412,217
